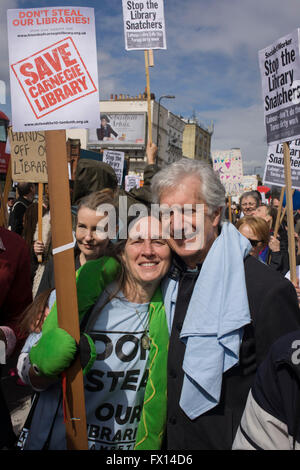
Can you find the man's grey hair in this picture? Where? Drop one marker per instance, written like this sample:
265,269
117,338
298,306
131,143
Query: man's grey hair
210,187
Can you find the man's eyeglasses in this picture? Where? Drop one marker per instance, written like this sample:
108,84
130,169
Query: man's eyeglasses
249,204
254,243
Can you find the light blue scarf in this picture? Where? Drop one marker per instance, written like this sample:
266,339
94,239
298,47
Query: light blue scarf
213,326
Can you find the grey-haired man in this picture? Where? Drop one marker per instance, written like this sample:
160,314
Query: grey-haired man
224,310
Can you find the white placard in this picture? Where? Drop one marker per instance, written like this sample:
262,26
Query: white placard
132,181
274,168
53,68
280,74
144,24
228,165
116,161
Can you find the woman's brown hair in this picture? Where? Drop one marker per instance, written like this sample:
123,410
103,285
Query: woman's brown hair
258,226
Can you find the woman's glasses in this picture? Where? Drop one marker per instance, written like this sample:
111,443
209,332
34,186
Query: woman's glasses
254,243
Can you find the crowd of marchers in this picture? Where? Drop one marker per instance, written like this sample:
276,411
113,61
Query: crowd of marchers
181,348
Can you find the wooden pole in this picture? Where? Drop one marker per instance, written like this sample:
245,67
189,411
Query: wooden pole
278,218
284,210
289,205
151,58
65,283
40,217
148,98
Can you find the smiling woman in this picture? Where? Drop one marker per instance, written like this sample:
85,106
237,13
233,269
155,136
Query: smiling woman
121,306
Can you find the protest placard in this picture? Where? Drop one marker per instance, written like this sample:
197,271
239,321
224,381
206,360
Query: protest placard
144,24
274,168
280,73
28,154
53,70
116,161
228,165
132,181
249,183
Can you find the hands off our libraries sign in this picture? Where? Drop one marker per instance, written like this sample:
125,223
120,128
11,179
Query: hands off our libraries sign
280,74
57,80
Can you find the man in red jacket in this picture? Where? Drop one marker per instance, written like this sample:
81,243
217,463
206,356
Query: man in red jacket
15,296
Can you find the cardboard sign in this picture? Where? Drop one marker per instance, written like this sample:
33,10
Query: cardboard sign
228,164
53,70
249,183
28,156
132,181
274,168
116,161
144,24
280,73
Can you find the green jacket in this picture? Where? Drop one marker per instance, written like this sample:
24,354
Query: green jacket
91,280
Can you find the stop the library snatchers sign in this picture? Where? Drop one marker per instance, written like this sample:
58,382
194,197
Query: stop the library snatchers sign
53,77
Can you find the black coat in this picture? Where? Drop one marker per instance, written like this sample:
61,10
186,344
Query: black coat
274,312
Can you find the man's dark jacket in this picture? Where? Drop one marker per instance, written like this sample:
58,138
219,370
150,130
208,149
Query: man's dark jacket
274,312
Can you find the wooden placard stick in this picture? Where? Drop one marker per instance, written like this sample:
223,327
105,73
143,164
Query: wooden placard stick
65,282
151,58
289,205
40,217
284,210
148,98
229,209
278,218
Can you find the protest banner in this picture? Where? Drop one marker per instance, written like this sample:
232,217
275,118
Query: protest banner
28,155
116,161
144,24
228,165
53,74
274,168
248,183
119,130
132,181
280,73
43,99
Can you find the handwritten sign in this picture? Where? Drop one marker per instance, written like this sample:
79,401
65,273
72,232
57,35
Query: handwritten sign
28,154
228,165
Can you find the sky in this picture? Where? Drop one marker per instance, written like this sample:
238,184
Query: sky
210,65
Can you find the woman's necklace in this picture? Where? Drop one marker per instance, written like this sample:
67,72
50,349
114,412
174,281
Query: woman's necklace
145,339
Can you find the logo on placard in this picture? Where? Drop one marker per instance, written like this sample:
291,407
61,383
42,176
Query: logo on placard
54,77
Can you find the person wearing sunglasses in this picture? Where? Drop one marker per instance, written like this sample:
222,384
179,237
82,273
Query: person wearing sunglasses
257,232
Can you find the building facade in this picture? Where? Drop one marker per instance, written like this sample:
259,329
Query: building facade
127,118
197,141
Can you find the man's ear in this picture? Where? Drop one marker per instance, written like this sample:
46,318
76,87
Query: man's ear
216,216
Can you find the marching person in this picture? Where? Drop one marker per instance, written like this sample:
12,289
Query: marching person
224,310
15,295
26,193
120,303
